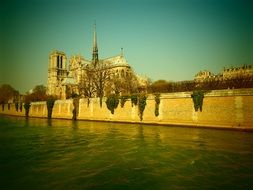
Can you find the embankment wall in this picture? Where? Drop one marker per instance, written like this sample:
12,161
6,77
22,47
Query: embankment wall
221,109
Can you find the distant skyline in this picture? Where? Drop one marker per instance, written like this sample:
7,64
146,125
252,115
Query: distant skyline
162,39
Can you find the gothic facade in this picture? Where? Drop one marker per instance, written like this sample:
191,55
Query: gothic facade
65,79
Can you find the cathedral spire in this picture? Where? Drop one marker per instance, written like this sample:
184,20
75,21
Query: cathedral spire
121,53
95,48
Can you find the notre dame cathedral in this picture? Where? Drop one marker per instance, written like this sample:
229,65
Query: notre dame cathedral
66,79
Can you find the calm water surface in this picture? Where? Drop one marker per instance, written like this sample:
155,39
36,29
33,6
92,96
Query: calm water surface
61,154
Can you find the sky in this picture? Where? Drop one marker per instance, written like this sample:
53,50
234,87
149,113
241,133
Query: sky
162,39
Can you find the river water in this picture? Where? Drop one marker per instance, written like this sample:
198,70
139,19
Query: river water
62,154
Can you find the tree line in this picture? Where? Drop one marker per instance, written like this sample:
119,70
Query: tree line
99,83
8,94
163,86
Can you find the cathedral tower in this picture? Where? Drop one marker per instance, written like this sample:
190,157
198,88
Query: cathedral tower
57,71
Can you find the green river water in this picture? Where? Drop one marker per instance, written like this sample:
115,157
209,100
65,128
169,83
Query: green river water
62,154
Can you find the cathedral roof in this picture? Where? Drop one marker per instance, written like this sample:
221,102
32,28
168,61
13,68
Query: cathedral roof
118,60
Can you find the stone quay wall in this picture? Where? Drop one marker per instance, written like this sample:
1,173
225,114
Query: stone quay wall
221,109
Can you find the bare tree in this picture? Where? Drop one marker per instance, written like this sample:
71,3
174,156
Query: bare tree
101,76
39,93
86,86
131,84
7,92
94,82
115,85
123,85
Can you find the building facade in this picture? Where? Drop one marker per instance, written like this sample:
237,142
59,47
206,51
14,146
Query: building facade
65,79
57,73
245,71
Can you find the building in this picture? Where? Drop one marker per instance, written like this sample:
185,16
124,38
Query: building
57,73
65,79
235,72
245,71
203,75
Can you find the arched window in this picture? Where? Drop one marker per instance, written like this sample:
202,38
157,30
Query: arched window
58,61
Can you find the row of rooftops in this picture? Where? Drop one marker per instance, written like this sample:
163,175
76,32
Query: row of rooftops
227,72
116,61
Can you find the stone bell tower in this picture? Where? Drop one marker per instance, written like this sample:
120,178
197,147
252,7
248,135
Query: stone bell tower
57,71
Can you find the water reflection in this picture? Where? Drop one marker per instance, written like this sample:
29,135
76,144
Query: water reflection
180,137
173,136
49,122
74,124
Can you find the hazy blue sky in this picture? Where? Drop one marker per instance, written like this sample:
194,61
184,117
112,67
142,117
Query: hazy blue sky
163,39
